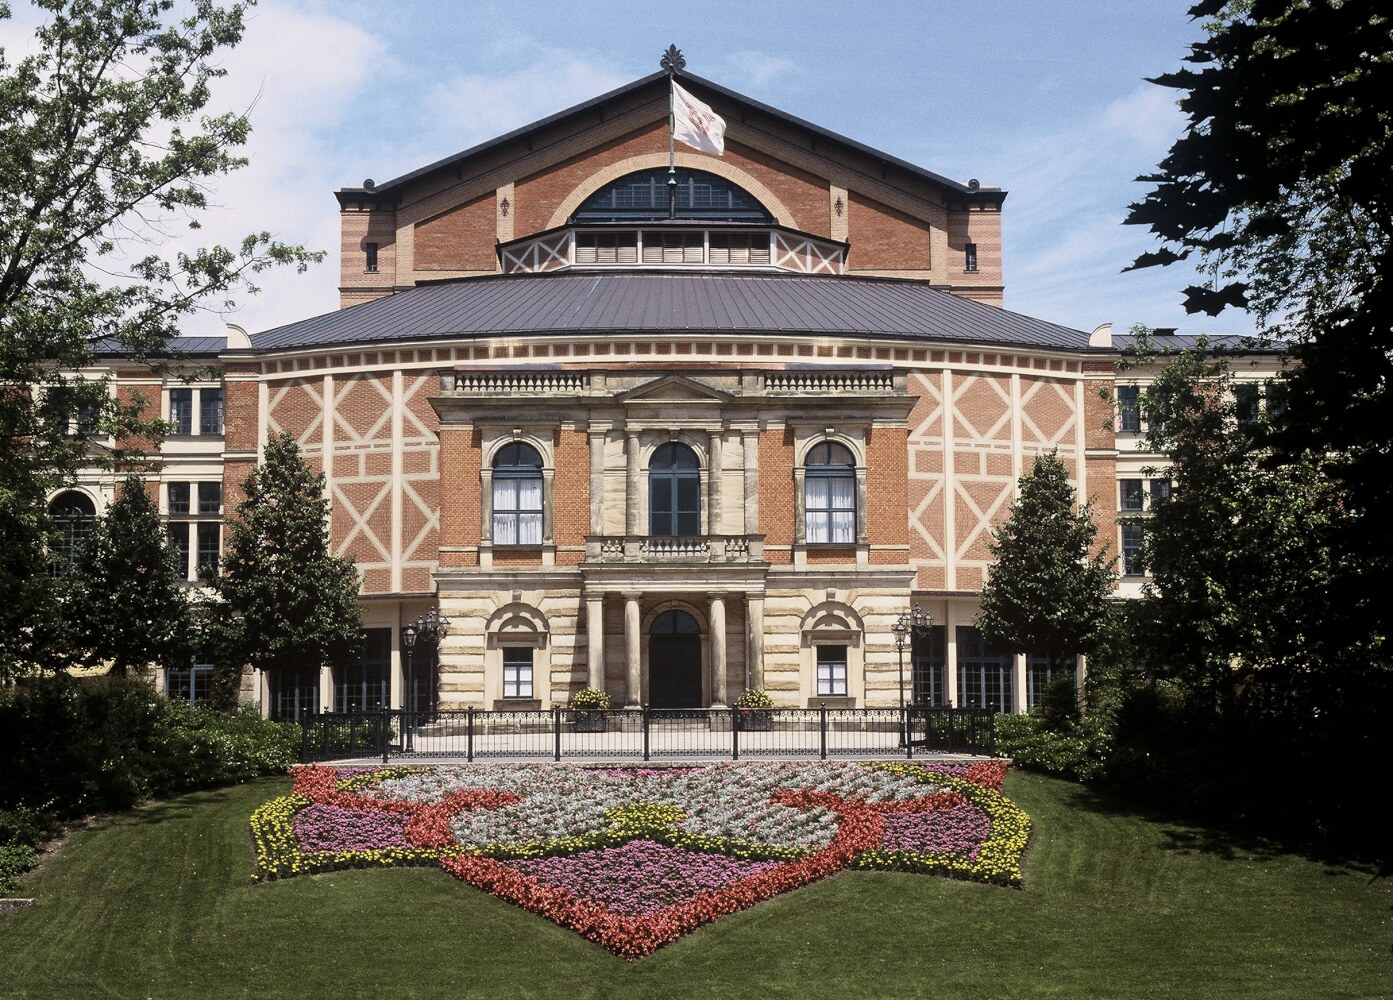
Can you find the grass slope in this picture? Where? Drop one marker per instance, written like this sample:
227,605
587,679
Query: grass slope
158,903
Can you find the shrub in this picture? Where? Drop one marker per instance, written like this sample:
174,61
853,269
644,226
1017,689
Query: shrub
15,860
754,698
73,748
589,700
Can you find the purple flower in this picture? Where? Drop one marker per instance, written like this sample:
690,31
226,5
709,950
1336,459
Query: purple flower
959,830
640,877
334,828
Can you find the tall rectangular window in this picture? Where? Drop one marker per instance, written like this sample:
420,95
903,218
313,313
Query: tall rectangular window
369,256
970,257
1245,405
1160,490
209,498
985,677
294,693
192,684
1131,550
517,672
831,671
210,411
181,411
179,541
927,660
1039,673
1129,409
208,549
178,494
1129,494
363,687
1276,393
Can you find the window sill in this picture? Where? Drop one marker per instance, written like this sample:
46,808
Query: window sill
517,705
831,701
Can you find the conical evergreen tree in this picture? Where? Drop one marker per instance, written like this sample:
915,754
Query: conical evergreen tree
128,605
291,603
1048,588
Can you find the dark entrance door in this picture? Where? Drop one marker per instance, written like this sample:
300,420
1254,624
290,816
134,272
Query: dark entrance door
674,661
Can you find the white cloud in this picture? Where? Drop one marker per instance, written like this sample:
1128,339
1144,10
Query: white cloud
1148,117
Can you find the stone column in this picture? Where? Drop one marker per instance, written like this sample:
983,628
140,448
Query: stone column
1018,683
597,482
950,656
718,650
633,656
754,652
632,511
713,486
595,639
486,506
750,440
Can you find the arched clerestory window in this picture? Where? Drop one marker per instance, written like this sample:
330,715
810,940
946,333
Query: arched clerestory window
517,495
674,491
829,495
643,197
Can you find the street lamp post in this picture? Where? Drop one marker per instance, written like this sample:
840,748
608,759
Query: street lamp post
428,628
911,623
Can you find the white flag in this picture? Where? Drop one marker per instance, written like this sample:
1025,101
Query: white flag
695,124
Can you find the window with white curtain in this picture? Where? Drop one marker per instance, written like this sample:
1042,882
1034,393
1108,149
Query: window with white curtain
517,495
829,495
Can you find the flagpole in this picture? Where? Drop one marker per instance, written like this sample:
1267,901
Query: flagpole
673,62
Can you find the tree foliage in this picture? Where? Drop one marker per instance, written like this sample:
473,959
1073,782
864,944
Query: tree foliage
1279,186
1048,587
288,602
128,604
107,145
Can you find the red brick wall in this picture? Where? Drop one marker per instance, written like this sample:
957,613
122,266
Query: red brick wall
887,487
356,230
461,239
570,508
885,239
776,491
460,458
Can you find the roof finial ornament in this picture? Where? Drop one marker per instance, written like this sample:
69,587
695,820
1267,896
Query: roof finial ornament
672,62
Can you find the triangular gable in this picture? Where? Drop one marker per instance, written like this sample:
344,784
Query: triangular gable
674,389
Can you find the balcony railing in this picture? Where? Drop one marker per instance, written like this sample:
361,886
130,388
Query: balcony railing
685,549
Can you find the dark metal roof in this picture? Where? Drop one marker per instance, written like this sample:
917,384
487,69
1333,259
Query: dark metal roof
449,161
178,347
662,301
1170,343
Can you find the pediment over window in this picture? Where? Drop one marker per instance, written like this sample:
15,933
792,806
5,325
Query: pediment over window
674,389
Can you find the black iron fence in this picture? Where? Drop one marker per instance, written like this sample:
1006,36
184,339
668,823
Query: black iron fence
648,733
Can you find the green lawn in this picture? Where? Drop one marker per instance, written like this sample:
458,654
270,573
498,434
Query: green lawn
159,903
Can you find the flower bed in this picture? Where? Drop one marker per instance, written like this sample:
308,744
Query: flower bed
633,858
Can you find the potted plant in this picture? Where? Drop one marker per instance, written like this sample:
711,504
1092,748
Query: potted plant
754,705
589,706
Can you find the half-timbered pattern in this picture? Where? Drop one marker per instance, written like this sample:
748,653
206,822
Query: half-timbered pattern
669,434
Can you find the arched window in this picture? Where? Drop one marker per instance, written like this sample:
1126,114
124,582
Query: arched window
829,495
517,495
643,197
73,513
674,491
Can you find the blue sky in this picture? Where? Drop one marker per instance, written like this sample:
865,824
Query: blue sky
1045,100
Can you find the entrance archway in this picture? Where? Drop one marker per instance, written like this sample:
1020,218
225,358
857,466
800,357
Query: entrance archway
674,661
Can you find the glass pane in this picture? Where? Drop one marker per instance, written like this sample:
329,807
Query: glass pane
818,492
505,494
818,526
843,492
843,527
505,529
529,529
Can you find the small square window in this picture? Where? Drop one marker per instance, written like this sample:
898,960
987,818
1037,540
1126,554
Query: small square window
517,672
1160,489
831,671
